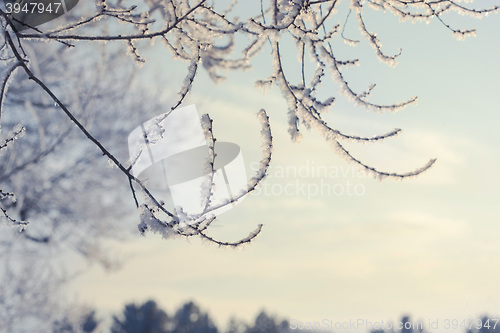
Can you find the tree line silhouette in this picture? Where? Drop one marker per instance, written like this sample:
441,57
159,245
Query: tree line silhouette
149,317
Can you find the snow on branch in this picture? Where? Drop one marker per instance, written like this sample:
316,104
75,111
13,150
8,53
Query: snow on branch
153,220
9,199
383,174
204,36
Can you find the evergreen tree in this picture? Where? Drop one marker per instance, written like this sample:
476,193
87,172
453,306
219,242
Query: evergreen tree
146,318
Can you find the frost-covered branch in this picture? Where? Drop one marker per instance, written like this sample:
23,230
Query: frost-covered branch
206,37
153,220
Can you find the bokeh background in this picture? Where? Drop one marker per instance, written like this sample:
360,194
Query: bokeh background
426,246
337,244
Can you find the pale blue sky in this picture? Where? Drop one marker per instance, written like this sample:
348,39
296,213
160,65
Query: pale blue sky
426,246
